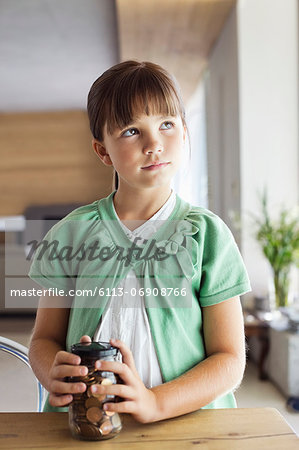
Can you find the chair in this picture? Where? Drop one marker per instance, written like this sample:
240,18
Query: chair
21,352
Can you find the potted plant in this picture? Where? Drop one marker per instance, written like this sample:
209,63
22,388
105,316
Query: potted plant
279,240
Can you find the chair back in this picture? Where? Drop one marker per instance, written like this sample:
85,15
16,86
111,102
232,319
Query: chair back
21,352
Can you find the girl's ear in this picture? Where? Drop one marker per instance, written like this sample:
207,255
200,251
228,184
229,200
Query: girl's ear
100,151
185,133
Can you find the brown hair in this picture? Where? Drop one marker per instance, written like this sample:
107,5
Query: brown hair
127,89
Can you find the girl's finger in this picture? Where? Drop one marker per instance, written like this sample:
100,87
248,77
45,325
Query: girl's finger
120,390
63,357
126,353
61,387
64,370
85,338
125,372
128,407
60,400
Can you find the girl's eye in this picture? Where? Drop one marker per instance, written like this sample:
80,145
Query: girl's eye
167,125
130,132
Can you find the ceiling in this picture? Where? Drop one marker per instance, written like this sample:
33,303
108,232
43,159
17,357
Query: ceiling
178,34
51,51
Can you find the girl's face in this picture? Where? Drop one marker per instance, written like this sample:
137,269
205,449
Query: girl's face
147,153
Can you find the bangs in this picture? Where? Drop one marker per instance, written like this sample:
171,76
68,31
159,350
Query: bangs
141,93
128,90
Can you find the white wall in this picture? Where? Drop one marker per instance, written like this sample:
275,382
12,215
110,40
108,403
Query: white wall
222,98
191,182
52,50
268,90
252,120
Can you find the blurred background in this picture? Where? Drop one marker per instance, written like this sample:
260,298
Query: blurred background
237,65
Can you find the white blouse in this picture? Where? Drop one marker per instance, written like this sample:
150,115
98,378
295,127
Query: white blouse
125,317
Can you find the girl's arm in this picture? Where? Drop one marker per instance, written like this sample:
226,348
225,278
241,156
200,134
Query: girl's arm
219,373
222,370
50,363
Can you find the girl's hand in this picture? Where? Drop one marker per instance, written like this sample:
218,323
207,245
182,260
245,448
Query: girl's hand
66,365
138,400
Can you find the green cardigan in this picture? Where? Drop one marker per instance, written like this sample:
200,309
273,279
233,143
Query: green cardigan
198,257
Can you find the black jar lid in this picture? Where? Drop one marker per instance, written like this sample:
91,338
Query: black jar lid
93,349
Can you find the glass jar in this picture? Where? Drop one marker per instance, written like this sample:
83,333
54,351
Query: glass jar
87,419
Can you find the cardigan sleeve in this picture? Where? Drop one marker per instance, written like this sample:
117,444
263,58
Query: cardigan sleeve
223,272
56,258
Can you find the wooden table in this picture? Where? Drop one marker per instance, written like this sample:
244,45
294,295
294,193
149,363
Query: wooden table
254,428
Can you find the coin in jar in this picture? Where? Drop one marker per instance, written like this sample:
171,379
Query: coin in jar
99,397
106,382
77,397
106,427
92,401
90,393
90,381
115,420
78,409
84,379
89,431
75,429
94,414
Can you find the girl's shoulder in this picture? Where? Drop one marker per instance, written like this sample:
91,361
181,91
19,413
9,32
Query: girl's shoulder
198,215
97,210
204,224
85,212
77,224
201,213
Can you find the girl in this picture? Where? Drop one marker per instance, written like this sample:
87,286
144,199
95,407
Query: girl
166,276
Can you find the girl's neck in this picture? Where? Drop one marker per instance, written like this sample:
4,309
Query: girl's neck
140,205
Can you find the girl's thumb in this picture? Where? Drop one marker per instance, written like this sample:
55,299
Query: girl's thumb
85,338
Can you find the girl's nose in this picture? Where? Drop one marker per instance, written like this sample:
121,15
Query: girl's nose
152,146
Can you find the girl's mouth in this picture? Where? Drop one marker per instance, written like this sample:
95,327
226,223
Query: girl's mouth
156,166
